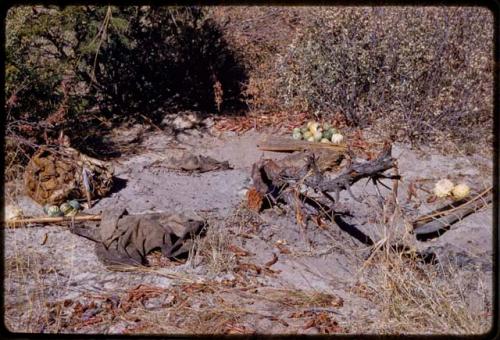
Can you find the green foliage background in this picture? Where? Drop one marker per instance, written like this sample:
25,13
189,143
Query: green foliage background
418,70
420,73
70,67
423,73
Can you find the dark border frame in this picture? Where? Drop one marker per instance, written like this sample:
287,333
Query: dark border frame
492,5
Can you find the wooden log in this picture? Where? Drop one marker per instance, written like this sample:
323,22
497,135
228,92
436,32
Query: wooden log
44,220
351,173
283,144
269,176
272,178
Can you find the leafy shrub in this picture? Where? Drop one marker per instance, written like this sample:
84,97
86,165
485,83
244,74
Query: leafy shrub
419,70
422,72
163,58
259,35
39,82
37,71
69,67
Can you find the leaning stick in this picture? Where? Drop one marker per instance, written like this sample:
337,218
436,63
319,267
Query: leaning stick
444,212
449,217
44,219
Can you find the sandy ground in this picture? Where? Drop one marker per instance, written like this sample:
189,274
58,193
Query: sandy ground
47,265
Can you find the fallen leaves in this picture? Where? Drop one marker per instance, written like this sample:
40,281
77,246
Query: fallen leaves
245,267
412,191
85,315
157,260
238,251
322,321
337,301
319,221
231,328
196,287
431,198
201,307
143,292
282,248
257,270
240,124
272,261
45,238
254,199
91,321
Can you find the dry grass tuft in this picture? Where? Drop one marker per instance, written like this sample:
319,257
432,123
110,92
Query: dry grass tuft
212,250
418,298
301,298
22,297
421,298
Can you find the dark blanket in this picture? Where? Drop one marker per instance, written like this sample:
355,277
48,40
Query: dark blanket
123,239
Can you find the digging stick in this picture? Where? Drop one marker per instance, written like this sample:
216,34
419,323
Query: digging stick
444,219
44,219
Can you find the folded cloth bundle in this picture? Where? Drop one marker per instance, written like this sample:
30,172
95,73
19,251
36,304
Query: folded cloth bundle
124,239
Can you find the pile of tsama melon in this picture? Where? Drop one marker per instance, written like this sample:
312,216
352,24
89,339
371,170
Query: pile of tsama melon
69,208
314,132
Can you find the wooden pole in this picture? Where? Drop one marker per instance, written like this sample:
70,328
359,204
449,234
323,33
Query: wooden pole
44,219
445,218
281,144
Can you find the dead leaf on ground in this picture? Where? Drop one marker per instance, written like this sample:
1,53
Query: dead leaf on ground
237,329
431,199
272,119
91,321
337,301
283,249
143,292
412,191
238,251
322,321
319,221
196,288
254,199
272,261
248,267
45,238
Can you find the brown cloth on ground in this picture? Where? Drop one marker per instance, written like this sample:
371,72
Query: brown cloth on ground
190,162
124,239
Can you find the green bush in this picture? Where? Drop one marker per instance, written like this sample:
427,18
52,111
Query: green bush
419,70
69,68
38,66
163,58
